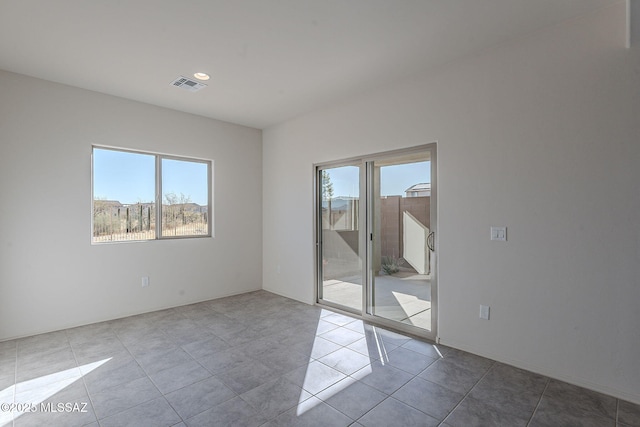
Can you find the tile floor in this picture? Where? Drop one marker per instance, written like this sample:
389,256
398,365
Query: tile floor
260,359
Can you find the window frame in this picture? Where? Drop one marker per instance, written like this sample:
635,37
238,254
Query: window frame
158,157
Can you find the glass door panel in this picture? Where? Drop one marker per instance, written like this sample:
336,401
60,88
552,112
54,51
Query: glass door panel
340,252
400,220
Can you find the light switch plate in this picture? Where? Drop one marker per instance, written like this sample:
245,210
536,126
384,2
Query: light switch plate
499,234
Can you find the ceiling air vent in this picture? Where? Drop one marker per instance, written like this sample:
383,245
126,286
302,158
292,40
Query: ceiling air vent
188,84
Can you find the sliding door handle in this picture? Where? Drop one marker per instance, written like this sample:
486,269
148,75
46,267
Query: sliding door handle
430,241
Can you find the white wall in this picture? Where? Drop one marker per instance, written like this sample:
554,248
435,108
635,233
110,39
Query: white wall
51,277
541,135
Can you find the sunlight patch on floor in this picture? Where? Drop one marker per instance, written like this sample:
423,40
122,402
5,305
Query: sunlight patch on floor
38,390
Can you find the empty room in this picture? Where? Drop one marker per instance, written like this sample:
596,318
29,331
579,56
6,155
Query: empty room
320,213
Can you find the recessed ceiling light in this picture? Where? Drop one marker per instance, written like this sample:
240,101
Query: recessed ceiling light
201,76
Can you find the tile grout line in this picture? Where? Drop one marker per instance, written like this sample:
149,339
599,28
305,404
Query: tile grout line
147,376
84,383
380,403
404,384
184,420
431,382
468,392
347,376
213,375
249,403
115,333
539,401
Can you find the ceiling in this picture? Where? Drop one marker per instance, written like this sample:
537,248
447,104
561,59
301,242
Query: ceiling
269,60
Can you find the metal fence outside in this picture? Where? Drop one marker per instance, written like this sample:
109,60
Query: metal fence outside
114,222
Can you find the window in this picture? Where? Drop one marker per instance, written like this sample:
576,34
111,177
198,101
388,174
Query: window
125,205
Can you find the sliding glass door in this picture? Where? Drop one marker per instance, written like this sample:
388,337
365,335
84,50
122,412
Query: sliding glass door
341,255
375,222
400,255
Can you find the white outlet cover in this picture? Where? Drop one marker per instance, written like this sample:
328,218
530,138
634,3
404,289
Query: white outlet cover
484,312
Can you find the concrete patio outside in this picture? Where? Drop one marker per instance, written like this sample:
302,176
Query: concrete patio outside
404,296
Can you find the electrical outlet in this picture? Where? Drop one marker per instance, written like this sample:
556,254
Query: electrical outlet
484,312
145,281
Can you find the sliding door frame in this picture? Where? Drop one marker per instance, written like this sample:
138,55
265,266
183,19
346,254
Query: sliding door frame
369,289
366,236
